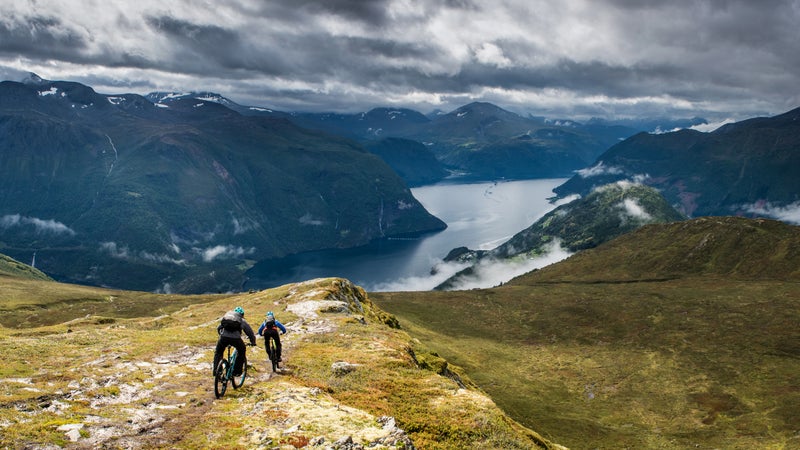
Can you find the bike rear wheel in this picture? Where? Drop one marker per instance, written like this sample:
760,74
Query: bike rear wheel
237,382
221,378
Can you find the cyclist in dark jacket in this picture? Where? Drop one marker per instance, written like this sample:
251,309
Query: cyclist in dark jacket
269,329
230,333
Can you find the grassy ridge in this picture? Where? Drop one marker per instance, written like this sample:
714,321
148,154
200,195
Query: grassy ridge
143,382
10,267
26,302
623,346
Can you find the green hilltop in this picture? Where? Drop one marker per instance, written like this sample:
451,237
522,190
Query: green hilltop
10,267
678,335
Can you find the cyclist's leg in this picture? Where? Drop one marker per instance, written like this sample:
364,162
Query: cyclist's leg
277,345
240,359
218,353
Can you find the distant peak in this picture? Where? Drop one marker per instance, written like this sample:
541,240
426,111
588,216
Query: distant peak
32,78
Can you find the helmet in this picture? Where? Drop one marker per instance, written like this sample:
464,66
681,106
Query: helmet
270,315
239,310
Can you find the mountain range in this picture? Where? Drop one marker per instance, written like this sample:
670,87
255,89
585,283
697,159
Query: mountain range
737,169
185,192
118,190
478,141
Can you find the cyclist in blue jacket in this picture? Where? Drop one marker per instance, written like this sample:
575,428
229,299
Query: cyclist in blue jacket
269,329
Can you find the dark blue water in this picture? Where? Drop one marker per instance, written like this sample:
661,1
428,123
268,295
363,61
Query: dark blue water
478,216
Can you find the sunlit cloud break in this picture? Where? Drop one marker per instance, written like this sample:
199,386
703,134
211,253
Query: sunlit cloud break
40,225
788,213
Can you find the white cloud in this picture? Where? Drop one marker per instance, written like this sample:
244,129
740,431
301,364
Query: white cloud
224,252
597,170
124,252
241,226
116,251
491,54
703,127
40,226
787,213
631,208
308,219
487,273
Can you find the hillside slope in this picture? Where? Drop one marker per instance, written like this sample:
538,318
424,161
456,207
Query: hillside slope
675,336
140,383
736,169
10,267
729,247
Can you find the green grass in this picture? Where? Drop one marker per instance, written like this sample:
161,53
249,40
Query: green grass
28,302
70,366
674,364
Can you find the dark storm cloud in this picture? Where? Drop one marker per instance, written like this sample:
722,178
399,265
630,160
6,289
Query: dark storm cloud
615,57
39,36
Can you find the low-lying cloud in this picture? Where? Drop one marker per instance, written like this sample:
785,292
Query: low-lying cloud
632,209
702,127
787,213
224,252
123,252
39,226
598,170
486,273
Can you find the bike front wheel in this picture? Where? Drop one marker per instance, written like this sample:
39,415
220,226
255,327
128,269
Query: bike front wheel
273,356
221,378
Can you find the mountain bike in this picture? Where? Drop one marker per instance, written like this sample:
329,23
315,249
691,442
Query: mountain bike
224,372
272,353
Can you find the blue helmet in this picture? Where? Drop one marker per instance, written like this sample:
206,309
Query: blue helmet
239,310
270,316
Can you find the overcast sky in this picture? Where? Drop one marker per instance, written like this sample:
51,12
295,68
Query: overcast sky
566,58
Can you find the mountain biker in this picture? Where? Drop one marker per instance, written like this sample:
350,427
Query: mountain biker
269,329
230,333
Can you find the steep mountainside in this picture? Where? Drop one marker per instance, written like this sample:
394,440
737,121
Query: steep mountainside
605,214
410,159
350,378
116,190
738,167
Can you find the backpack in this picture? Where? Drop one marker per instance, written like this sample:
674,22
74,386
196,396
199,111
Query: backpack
270,324
233,325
